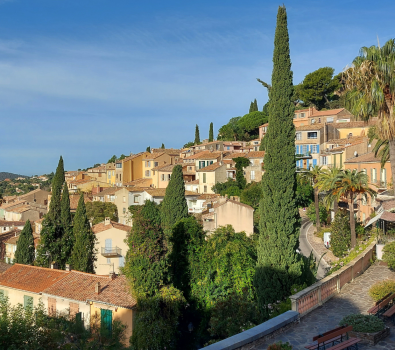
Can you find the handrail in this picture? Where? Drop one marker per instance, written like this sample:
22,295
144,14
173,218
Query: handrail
317,294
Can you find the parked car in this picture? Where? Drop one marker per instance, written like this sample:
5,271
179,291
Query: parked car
327,239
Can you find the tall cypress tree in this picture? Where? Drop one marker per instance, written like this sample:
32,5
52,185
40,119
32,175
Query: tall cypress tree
163,146
67,239
57,184
279,266
251,107
255,106
148,149
24,253
174,205
197,135
83,256
211,133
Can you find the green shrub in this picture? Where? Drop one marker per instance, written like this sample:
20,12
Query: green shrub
380,289
310,213
341,233
363,323
280,346
321,232
389,254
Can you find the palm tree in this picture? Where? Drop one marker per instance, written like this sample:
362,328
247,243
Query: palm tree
349,184
370,90
381,148
327,182
313,176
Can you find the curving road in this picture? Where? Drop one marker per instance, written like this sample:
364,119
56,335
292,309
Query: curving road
306,248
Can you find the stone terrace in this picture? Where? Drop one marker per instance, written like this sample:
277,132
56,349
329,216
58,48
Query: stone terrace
353,299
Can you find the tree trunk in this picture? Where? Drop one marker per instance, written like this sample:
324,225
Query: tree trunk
317,209
335,206
391,144
352,222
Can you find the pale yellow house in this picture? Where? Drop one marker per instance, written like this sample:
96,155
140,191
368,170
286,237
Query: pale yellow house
111,246
211,175
110,173
132,167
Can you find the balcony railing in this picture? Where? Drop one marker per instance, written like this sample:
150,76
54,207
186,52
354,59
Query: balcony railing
111,252
306,155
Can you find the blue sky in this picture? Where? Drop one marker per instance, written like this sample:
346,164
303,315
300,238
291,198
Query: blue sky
87,79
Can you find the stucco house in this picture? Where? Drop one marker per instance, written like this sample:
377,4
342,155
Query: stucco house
210,175
111,246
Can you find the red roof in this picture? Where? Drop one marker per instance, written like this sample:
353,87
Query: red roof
103,227
31,278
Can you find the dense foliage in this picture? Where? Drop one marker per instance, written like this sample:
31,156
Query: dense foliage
341,233
25,252
252,194
244,128
279,266
380,289
197,135
145,264
323,212
304,192
83,255
363,323
280,346
389,254
98,211
211,133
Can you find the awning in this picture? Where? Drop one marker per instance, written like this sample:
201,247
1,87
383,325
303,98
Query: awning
371,221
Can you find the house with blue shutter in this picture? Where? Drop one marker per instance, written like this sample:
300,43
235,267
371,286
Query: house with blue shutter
308,142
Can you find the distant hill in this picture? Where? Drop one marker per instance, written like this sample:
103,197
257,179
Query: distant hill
4,175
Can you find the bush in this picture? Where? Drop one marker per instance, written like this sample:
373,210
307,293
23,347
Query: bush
363,323
321,232
341,234
280,346
380,289
389,254
310,213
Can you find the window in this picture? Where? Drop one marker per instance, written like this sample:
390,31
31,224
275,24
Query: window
119,165
109,174
163,177
301,115
74,310
148,163
319,120
295,116
315,149
51,307
121,261
27,302
136,199
204,178
383,177
373,175
147,173
124,210
323,161
252,174
312,135
312,121
108,245
205,189
189,168
298,135
202,164
106,319
156,163
364,201
113,173
350,134
124,199
168,177
329,120
228,148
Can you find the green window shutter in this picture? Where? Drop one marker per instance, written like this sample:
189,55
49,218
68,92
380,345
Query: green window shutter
27,301
106,319
78,317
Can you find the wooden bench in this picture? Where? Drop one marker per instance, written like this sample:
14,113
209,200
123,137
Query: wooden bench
349,344
390,313
331,337
374,308
382,306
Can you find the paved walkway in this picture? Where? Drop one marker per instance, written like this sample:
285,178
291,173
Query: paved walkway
353,299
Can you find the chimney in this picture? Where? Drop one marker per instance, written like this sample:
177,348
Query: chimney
107,221
112,275
97,288
68,267
54,265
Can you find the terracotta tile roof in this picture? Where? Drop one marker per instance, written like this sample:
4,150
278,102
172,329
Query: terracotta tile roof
5,223
345,141
136,189
211,167
388,216
266,124
80,182
206,196
20,209
133,156
365,158
219,204
388,205
358,124
139,182
107,191
81,286
233,143
74,198
207,155
170,151
30,278
13,204
4,267
194,182
165,167
32,192
155,155
227,161
328,112
235,155
160,192
14,239
310,127
103,227
255,154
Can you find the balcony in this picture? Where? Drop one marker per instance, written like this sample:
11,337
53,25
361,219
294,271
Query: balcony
111,252
306,155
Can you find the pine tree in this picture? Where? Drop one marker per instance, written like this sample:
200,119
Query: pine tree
197,135
174,205
255,106
83,256
67,239
163,146
211,133
148,149
279,266
24,253
57,184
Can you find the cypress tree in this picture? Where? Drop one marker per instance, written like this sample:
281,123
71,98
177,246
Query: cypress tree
24,253
255,106
148,149
57,183
279,266
211,133
241,163
197,135
251,107
163,146
67,239
83,256
174,205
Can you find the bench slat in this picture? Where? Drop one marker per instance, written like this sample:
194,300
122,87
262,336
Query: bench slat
345,344
334,334
390,312
326,333
315,346
385,302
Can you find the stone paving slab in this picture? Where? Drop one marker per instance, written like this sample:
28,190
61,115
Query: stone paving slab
354,298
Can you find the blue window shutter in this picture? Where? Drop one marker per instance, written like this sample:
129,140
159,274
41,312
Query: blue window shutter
108,244
307,163
121,261
318,149
314,162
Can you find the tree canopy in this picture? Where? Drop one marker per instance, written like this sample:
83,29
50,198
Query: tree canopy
98,211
